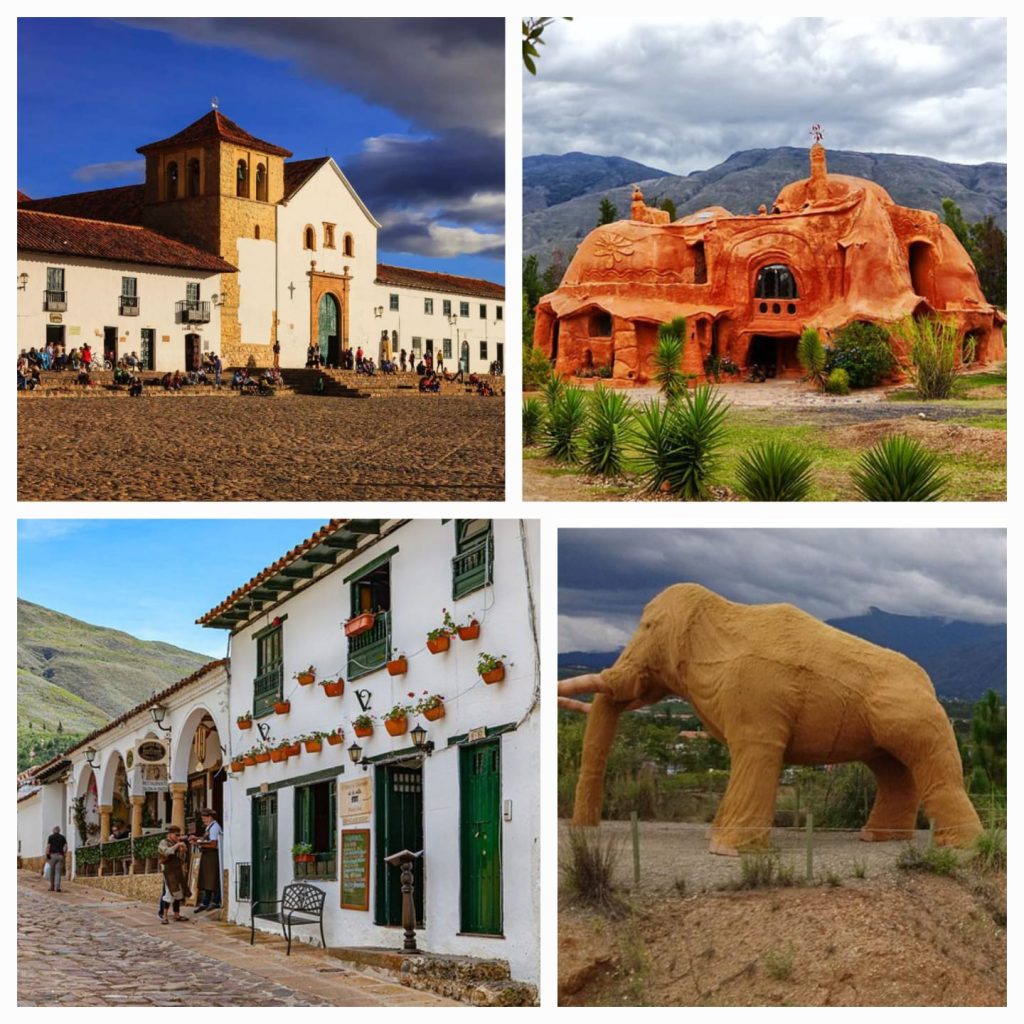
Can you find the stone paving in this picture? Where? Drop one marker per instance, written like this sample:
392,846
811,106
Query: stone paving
87,947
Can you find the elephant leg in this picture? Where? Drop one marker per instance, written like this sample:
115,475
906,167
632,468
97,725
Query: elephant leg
938,775
894,813
602,724
745,815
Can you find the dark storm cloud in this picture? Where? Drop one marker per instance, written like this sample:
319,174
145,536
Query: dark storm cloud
683,96
607,576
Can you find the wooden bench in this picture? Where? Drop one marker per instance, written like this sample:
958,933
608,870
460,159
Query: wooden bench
299,904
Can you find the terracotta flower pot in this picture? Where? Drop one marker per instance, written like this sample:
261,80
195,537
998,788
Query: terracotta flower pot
334,739
398,667
294,749
313,746
360,623
249,760
246,723
305,858
263,758
335,689
494,676
442,643
433,714
363,730
282,707
396,726
470,632
278,755
238,766
306,678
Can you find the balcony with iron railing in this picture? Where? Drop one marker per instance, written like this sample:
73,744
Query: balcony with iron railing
267,690
473,568
55,302
325,866
369,651
129,305
191,311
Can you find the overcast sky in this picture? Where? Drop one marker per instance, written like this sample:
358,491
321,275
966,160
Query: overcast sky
684,95
605,577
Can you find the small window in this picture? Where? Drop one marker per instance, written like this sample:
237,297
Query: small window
328,235
483,310
417,344
129,287
172,180
316,824
483,350
463,309
192,292
261,183
256,232
600,325
498,313
446,307
393,302
775,281
428,306
309,238
267,687
242,182
55,279
193,177
700,264
446,348
472,566
350,246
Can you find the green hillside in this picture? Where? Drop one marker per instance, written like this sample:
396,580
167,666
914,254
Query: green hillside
74,677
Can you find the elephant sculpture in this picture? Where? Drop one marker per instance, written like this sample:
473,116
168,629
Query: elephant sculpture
777,686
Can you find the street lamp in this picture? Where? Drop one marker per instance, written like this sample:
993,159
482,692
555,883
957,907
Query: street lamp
355,753
159,712
91,757
22,281
378,311
418,735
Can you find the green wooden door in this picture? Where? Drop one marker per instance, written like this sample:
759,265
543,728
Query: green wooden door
399,799
480,840
264,848
328,331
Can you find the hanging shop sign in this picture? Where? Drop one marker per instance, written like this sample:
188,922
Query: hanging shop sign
355,869
355,800
152,752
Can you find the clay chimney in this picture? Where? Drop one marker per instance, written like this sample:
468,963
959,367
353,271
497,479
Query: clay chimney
818,188
637,209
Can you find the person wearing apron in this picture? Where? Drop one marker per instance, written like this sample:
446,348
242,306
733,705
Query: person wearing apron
209,863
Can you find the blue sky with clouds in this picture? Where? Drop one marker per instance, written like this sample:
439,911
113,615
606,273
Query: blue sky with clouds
149,577
412,110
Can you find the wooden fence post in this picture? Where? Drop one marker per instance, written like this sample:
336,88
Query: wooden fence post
635,827
931,833
810,846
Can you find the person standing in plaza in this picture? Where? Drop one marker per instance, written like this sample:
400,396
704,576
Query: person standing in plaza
209,863
171,854
277,355
56,847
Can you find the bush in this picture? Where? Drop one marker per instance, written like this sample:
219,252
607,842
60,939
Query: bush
838,382
588,869
667,359
864,352
566,415
605,433
811,354
536,368
898,469
936,860
678,444
533,418
763,871
989,850
778,964
934,344
774,471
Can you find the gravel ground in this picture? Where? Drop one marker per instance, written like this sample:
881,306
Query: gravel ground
288,448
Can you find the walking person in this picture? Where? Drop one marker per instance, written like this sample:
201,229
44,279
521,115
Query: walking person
56,847
277,354
172,854
218,366
209,863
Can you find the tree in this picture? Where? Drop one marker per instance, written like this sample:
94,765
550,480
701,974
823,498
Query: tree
60,727
954,220
669,207
988,743
533,29
989,242
608,213
532,284
552,276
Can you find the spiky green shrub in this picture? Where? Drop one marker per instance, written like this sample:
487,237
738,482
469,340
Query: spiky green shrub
838,382
935,860
678,445
898,469
811,354
667,358
604,435
551,389
533,418
934,345
588,863
774,471
564,426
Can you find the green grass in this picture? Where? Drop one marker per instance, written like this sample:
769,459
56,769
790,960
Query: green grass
962,391
993,422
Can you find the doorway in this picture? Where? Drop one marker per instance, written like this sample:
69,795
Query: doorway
54,334
501,357
264,847
193,352
328,333
398,793
110,344
480,838
776,356
147,348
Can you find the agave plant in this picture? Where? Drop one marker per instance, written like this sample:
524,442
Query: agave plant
533,417
566,416
811,354
604,435
552,389
677,445
898,469
667,358
774,471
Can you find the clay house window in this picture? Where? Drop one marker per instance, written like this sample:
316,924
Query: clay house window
309,238
600,325
350,246
172,180
193,177
776,281
261,183
328,236
242,185
700,264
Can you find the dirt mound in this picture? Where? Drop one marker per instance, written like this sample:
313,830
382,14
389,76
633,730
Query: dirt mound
918,941
949,438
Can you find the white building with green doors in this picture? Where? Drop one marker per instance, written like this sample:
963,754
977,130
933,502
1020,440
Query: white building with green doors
462,787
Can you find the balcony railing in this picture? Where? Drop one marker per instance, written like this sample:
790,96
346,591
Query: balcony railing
369,651
267,689
473,568
325,866
191,311
55,302
129,305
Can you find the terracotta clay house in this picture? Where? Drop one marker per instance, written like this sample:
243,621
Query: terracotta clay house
833,249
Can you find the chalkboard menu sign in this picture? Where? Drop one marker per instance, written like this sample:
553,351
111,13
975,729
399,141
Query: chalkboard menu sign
355,869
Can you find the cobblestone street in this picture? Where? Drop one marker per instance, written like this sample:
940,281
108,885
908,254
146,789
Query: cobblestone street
88,947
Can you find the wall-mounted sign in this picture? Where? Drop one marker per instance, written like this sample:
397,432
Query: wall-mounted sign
165,337
75,332
476,734
355,869
56,318
152,751
155,786
364,697
355,800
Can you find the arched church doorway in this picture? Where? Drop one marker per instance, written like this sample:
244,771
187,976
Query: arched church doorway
328,318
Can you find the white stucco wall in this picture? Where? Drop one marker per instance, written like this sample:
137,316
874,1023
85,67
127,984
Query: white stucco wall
93,291
256,277
421,585
30,826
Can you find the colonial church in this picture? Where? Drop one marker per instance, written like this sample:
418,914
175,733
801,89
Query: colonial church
230,246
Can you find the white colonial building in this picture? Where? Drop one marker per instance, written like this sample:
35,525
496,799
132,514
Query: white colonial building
231,247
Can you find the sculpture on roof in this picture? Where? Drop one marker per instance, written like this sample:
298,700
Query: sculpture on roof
778,686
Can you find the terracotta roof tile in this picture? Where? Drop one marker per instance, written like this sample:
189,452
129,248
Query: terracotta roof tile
214,125
124,243
298,172
121,205
427,280
22,197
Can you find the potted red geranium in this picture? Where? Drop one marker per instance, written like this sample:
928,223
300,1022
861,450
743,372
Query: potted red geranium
306,676
489,668
244,721
333,687
335,737
439,639
302,853
363,725
431,706
469,631
396,721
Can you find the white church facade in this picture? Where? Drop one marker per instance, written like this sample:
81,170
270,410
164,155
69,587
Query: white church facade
231,247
